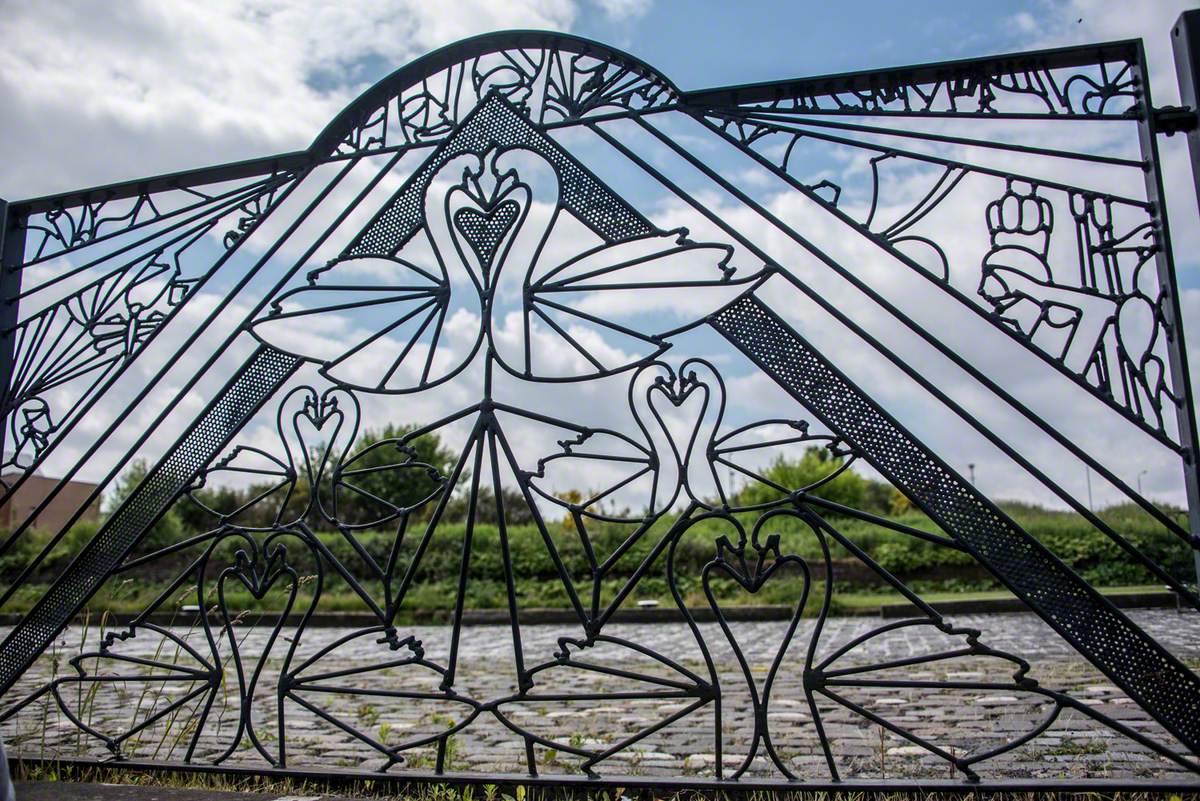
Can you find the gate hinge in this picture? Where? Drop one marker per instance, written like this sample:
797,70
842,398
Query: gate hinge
1170,120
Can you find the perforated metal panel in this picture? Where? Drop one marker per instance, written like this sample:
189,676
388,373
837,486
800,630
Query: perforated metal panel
1124,652
496,124
225,416
448,280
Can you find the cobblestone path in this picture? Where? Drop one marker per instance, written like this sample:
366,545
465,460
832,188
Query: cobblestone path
959,721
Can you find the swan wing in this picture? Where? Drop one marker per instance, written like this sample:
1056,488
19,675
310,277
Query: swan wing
373,323
614,305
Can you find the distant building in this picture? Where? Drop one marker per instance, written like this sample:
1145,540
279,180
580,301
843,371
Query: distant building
35,489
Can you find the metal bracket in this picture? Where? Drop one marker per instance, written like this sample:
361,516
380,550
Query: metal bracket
1171,120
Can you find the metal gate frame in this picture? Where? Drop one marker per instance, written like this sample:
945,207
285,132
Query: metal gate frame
1158,681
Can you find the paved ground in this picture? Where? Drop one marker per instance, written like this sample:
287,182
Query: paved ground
960,720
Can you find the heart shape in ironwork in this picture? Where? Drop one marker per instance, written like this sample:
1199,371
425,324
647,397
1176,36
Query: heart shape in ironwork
485,229
751,563
258,569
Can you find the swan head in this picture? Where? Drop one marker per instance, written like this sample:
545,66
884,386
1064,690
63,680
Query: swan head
480,215
317,432
499,255
679,412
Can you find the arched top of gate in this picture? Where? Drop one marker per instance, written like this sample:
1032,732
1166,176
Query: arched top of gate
552,77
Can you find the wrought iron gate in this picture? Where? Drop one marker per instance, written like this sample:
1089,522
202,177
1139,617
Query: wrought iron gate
542,256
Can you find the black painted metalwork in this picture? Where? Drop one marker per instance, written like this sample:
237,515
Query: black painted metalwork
492,232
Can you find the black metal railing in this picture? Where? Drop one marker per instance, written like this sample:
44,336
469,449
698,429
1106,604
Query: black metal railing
613,319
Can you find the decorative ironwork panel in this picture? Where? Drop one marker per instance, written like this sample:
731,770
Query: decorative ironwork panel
108,549
1096,314
132,268
1076,610
529,337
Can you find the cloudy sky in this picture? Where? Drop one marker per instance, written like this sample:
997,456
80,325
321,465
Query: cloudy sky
101,92
96,93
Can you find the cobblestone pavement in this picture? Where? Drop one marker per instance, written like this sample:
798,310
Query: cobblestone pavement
960,721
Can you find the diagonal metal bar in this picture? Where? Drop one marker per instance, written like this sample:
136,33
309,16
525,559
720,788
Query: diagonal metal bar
1133,660
941,347
888,246
474,116
237,401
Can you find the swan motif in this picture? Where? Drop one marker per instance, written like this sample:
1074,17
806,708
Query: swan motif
333,415
307,481
651,461
684,457
744,450
672,460
641,470
680,433
216,675
500,260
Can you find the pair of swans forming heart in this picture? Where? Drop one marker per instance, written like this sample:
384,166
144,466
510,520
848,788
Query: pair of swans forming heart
500,260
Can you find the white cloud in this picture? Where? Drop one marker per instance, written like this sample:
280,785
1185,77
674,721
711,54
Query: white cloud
103,92
158,89
959,226
624,9
1084,21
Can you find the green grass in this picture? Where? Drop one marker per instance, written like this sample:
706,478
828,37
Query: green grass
395,789
934,571
435,603
990,595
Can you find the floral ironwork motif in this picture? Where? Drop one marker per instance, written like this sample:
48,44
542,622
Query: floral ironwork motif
268,676
1107,87
1098,316
549,82
461,263
499,284
92,328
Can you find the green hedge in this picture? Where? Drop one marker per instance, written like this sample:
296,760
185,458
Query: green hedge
1089,551
929,567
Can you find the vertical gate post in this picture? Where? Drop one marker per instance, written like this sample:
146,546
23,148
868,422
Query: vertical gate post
12,254
1185,41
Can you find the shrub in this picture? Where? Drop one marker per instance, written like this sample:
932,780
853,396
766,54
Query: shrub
815,465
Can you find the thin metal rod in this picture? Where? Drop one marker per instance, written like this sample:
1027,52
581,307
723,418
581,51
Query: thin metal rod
944,72
948,139
12,253
992,437
199,373
1185,39
976,373
295,161
931,159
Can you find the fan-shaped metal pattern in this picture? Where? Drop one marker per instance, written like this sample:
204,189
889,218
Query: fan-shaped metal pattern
493,233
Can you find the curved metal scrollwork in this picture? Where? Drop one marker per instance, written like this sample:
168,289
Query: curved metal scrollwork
567,361
148,261
549,78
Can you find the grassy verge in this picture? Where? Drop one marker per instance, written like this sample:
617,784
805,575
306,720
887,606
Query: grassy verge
436,606
394,787
932,570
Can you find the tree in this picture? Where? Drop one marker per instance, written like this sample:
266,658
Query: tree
899,504
196,519
516,510
877,497
390,467
386,467
168,529
848,488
